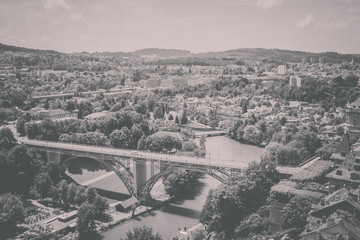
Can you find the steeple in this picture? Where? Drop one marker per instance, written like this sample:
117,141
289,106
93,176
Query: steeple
345,146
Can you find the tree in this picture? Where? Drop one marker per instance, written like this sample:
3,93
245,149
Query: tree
180,183
171,117
184,119
142,143
252,134
23,164
42,185
20,126
142,233
121,138
253,224
32,130
158,112
86,220
84,108
177,120
11,212
38,232
7,139
227,205
48,130
295,212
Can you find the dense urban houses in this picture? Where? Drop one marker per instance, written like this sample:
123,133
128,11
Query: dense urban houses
336,217
353,117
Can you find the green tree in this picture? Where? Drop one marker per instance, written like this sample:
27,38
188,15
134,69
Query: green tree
85,108
7,139
42,185
32,130
11,212
48,130
253,224
158,112
121,138
86,220
295,212
20,126
184,119
142,233
177,120
180,183
38,232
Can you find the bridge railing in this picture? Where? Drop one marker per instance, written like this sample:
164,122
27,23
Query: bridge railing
221,163
215,163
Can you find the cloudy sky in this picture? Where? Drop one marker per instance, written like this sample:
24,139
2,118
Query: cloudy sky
196,25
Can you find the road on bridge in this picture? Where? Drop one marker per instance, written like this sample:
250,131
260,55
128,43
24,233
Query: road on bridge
235,164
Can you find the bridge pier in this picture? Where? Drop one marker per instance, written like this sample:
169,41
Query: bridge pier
53,156
143,171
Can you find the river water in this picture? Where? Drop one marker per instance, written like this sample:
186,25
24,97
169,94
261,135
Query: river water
186,213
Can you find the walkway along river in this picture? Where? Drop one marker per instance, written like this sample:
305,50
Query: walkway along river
185,213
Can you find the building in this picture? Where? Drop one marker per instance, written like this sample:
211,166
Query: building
352,113
321,60
342,150
55,114
312,60
282,69
348,174
295,81
127,205
303,60
336,217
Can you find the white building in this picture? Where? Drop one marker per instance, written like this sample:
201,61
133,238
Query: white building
282,69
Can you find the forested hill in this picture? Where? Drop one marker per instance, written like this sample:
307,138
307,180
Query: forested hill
177,56
279,55
4,48
163,53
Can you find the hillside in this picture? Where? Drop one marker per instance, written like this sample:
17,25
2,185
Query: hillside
279,55
176,56
160,53
4,48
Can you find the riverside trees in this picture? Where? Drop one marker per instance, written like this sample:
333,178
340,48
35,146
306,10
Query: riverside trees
232,202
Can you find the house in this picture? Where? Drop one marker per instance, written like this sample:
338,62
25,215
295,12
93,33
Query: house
127,204
336,217
342,151
54,114
348,174
352,113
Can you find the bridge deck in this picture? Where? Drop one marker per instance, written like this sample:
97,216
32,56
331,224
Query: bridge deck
214,163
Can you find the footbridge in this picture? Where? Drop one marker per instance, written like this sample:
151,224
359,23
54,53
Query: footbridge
139,170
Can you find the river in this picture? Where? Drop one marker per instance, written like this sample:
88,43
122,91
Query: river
185,213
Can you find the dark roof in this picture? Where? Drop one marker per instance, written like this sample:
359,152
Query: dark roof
344,145
342,204
356,103
129,202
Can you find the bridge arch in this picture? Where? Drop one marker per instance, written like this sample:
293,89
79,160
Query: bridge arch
218,174
125,176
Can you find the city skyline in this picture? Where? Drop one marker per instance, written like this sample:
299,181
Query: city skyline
198,26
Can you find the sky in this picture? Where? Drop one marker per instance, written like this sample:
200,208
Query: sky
195,25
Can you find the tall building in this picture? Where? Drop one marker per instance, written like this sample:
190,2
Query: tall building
321,60
282,69
303,60
312,60
352,113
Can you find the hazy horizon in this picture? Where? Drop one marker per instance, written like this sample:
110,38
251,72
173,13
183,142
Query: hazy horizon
195,25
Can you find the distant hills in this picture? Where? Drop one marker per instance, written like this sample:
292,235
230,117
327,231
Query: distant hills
256,54
279,55
4,47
